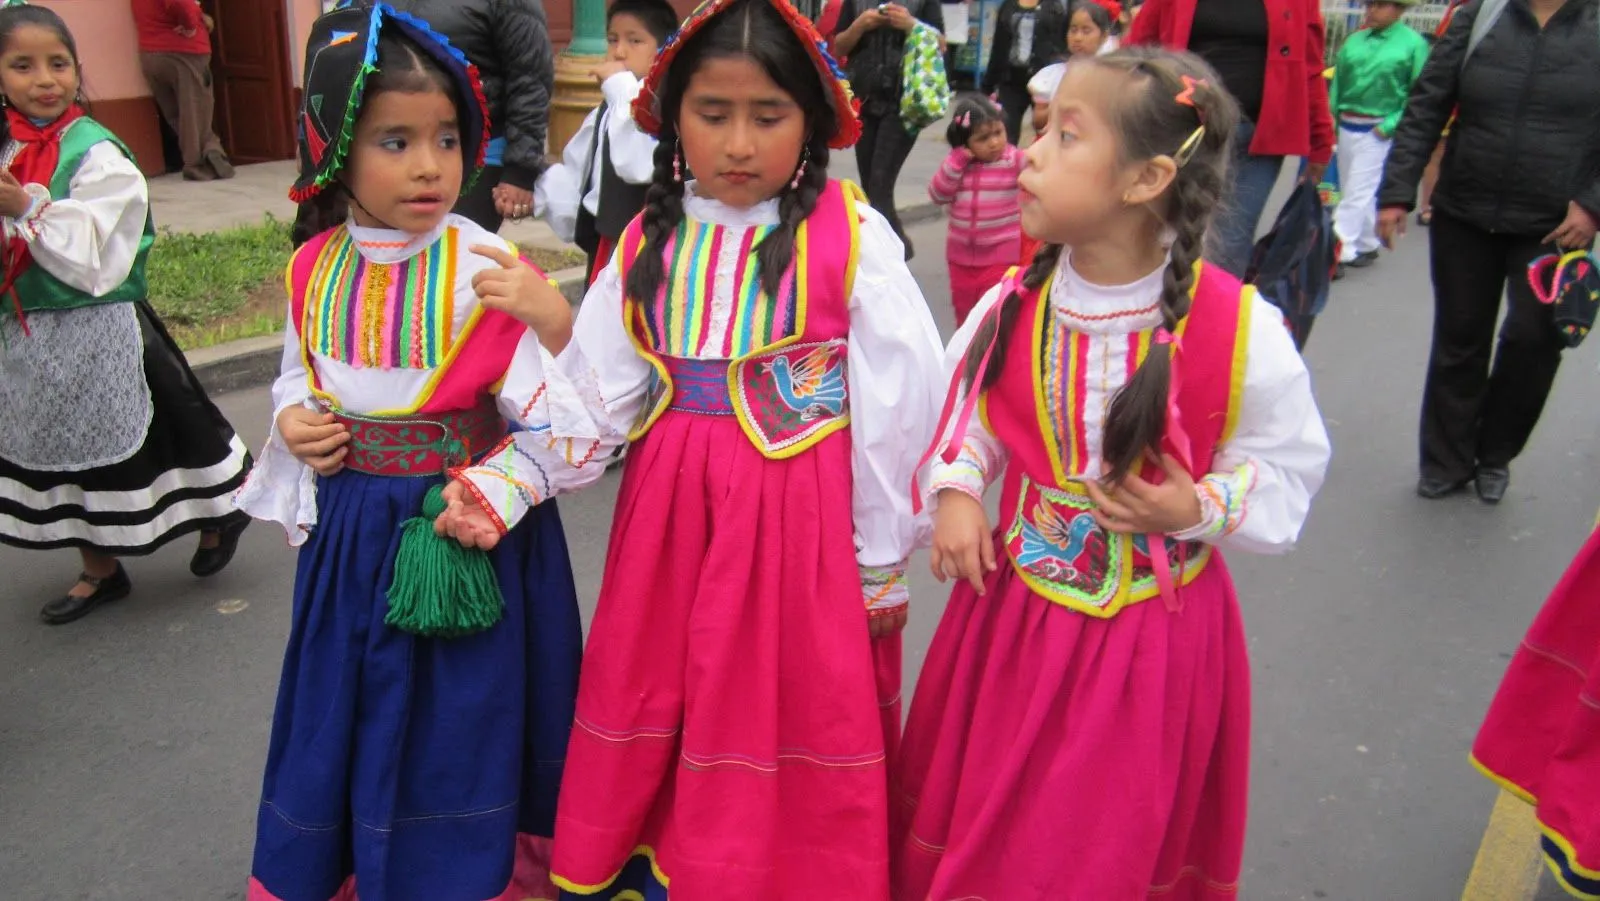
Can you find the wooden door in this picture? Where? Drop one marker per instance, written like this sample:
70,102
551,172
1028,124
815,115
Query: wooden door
253,84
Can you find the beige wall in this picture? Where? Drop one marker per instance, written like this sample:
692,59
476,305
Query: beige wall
108,45
301,14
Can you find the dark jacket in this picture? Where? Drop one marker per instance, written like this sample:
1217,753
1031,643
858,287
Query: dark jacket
509,42
874,64
1049,43
1526,140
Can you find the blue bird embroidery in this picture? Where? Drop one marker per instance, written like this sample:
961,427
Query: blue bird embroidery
1047,536
814,386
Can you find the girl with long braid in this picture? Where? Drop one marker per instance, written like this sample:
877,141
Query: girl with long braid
760,339
1081,730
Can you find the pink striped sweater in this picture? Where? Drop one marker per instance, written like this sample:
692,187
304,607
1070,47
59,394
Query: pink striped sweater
985,224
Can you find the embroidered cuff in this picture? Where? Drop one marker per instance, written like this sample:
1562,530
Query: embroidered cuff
1223,503
885,589
498,485
967,474
29,225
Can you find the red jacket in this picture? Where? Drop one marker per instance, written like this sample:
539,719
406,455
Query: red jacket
1295,120
158,22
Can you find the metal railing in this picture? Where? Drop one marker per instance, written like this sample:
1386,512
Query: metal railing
1342,18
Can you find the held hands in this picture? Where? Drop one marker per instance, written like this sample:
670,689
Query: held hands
14,201
885,624
465,520
317,439
512,202
1138,507
520,291
962,545
1391,225
1575,232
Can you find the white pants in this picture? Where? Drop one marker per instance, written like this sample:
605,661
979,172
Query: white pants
1361,158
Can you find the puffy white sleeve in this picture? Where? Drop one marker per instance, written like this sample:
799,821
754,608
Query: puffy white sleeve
594,389
281,488
894,363
544,459
981,457
632,152
89,238
1263,478
558,193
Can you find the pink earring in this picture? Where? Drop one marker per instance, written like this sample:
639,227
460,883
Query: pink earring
800,171
677,163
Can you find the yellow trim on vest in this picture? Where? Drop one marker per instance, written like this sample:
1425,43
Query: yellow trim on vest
645,851
1058,467
1241,359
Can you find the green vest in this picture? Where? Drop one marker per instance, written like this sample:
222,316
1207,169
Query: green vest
38,289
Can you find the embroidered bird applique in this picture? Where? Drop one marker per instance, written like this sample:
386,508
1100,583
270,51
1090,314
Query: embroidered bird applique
1049,536
812,386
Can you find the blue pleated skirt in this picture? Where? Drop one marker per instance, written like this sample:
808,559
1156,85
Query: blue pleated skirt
405,768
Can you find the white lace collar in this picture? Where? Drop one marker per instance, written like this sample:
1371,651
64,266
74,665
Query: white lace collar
388,245
1105,309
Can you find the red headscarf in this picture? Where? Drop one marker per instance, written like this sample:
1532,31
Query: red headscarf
35,163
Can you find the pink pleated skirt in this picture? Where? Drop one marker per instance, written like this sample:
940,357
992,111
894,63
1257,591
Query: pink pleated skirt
1053,755
732,709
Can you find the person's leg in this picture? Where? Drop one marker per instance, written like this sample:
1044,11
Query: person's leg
1469,275
1361,156
192,78
102,581
1346,216
1525,364
165,77
1253,180
1014,104
893,145
867,150
201,104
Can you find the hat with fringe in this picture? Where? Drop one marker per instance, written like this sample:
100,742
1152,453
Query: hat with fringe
647,110
341,53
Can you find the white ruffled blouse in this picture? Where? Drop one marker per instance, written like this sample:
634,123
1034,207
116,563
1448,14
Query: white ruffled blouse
893,370
1263,478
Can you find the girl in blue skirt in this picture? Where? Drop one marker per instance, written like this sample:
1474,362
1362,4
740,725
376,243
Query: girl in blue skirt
427,692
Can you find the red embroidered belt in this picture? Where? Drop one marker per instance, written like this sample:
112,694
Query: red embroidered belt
420,444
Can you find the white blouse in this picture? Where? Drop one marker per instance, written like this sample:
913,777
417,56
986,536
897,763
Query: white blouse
893,370
1263,478
88,239
532,468
560,190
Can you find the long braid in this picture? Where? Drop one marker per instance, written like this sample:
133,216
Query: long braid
776,250
996,330
663,212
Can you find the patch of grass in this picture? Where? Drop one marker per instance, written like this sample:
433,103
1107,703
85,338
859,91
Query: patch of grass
553,261
220,286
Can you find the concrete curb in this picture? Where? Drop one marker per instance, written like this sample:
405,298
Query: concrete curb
253,362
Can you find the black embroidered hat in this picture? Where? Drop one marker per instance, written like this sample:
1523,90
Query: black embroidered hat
341,53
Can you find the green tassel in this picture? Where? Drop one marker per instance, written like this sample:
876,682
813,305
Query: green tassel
441,589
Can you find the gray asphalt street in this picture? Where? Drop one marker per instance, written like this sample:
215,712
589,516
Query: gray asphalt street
131,742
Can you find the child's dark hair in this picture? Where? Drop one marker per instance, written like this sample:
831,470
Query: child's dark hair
657,16
1151,122
14,17
1099,15
753,30
402,67
970,112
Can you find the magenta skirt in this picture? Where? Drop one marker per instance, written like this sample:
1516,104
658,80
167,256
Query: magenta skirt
1052,755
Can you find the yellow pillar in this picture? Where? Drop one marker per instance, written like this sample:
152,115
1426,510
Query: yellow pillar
576,92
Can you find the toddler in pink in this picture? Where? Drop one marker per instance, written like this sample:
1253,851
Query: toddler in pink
978,182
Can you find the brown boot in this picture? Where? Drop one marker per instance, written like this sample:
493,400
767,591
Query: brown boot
218,161
198,173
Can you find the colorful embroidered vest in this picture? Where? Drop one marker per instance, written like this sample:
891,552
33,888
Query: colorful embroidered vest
1051,537
36,288
779,365
398,316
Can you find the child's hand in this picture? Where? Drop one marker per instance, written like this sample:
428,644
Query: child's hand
522,292
899,17
1139,507
962,545
607,69
316,438
886,624
465,520
14,201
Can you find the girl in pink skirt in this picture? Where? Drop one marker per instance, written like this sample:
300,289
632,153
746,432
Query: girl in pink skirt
761,342
978,182
1081,730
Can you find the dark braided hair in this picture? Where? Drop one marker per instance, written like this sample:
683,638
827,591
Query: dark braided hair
753,30
1151,123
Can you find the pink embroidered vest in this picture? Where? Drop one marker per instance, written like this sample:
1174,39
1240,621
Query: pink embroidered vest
1051,538
400,316
779,365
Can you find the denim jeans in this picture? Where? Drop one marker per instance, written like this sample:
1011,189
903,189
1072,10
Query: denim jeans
1253,180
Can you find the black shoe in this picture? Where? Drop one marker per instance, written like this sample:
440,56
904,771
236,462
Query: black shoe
219,164
208,561
1363,260
1491,483
1433,489
1338,271
65,609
